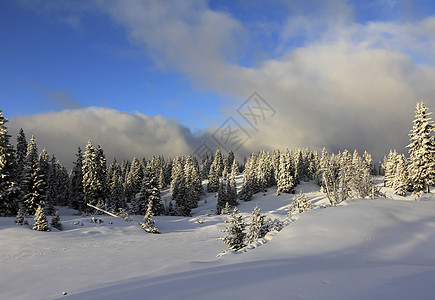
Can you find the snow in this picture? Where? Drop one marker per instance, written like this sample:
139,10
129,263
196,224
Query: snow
361,249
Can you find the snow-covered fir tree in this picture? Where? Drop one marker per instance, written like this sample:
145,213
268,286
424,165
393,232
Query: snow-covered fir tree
21,155
134,180
177,178
94,181
285,180
102,190
401,180
218,162
422,150
256,228
204,167
235,238
55,221
226,210
76,195
264,171
348,172
116,198
150,192
213,180
249,185
300,204
33,182
390,168
20,219
232,191
52,182
226,170
41,223
222,198
10,191
148,223
192,183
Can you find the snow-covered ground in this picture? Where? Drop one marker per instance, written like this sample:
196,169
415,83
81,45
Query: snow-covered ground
362,249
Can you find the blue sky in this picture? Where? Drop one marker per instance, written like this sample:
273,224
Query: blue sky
194,62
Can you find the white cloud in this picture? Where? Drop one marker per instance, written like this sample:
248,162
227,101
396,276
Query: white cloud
348,85
122,135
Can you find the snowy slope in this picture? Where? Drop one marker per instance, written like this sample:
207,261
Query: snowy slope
363,249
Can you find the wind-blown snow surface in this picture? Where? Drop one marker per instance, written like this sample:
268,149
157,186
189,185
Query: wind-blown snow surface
363,249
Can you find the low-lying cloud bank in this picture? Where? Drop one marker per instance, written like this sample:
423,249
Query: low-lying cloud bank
122,135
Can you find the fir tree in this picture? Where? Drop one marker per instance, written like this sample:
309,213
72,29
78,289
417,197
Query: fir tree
204,168
218,163
55,221
148,223
76,195
150,192
256,228
249,185
34,188
102,190
226,210
93,179
192,183
285,181
300,204
116,198
213,180
401,181
134,180
422,150
21,155
41,223
232,191
235,238
390,168
222,198
20,219
10,192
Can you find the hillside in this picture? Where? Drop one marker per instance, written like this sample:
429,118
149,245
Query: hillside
362,249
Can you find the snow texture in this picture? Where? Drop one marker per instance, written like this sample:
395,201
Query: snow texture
360,249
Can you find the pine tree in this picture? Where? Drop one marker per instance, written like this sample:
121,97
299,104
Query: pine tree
116,198
390,168
213,180
401,181
348,172
93,177
192,183
150,192
102,189
235,239
285,182
256,228
218,163
422,150
204,168
249,185
222,198
10,192
76,195
21,155
134,180
41,223
226,210
55,222
20,219
34,188
148,223
232,191
300,204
